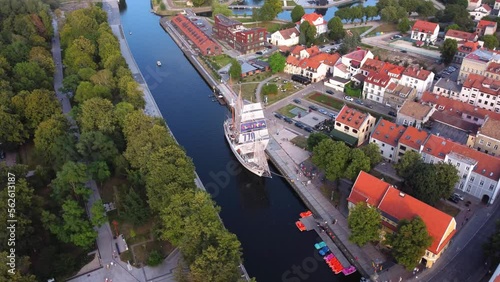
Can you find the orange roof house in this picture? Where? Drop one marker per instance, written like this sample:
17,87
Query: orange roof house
425,31
202,42
395,205
485,27
353,126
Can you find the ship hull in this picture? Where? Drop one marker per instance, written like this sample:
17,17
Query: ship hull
259,171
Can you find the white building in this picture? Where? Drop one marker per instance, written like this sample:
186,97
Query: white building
351,63
285,37
480,12
386,135
497,7
375,86
479,172
425,31
310,63
414,114
316,20
447,88
473,4
418,78
481,91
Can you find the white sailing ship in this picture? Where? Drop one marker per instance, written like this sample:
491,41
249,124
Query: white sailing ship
247,135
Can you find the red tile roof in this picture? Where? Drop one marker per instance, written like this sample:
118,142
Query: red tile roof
391,201
416,72
388,132
487,165
311,18
469,47
413,137
483,84
357,55
373,65
351,117
462,35
378,78
455,107
197,36
313,61
287,33
423,26
493,67
486,7
484,23
311,50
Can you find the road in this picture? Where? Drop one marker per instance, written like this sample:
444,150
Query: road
467,262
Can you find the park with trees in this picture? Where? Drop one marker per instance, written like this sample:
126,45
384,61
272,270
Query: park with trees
133,157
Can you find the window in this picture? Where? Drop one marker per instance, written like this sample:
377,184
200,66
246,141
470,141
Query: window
432,161
381,152
471,179
468,188
467,168
488,144
491,187
481,183
354,131
383,144
464,176
481,141
403,148
458,164
495,147
337,124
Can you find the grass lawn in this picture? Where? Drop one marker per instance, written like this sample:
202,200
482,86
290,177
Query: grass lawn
273,98
447,208
385,28
325,100
286,110
247,90
290,3
220,61
360,29
300,141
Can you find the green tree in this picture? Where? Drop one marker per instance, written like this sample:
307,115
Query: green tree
358,161
235,70
314,139
29,76
364,223
72,227
19,274
407,164
220,9
40,105
392,14
97,115
453,27
426,9
155,258
332,157
404,25
297,13
409,5
446,176
410,242
134,208
344,13
336,29
490,41
98,214
99,171
370,12
11,129
372,151
386,3
491,247
277,62
357,13
95,146
449,49
70,180
308,31
350,43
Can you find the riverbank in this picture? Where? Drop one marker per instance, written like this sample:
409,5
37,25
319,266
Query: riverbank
151,108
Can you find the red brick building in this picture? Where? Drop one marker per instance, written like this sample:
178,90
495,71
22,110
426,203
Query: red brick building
242,39
203,43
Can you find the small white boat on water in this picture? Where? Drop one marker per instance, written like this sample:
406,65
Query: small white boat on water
158,63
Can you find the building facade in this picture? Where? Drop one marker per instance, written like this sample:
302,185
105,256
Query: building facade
418,78
285,37
425,31
352,126
486,28
488,137
394,205
242,39
481,91
414,114
202,42
386,135
480,12
316,20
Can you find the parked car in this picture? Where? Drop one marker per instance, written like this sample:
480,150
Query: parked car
329,92
392,114
308,129
287,119
460,197
278,115
358,101
454,199
370,107
258,53
297,101
299,125
348,98
404,51
323,111
332,115
312,107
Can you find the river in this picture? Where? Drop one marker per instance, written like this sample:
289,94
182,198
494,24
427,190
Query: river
261,212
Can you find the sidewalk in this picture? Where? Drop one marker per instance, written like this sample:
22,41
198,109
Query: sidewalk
363,258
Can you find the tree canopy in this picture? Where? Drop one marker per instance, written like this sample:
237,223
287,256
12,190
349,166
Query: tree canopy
449,49
335,29
235,70
277,62
314,139
332,157
410,242
491,247
490,41
364,222
297,13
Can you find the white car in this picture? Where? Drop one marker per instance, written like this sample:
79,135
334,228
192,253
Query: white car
323,111
458,196
348,98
